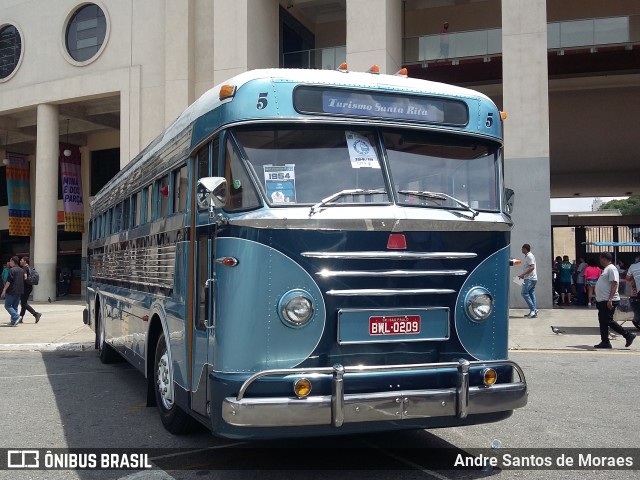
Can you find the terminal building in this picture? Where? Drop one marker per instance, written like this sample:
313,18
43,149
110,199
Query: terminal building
86,85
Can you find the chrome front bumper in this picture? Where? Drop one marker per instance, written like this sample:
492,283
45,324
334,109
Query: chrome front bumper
339,408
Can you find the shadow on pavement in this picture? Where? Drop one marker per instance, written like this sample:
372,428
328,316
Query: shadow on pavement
103,407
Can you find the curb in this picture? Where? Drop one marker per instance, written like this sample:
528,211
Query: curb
46,347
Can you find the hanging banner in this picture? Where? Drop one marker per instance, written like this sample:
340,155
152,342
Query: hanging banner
19,195
71,177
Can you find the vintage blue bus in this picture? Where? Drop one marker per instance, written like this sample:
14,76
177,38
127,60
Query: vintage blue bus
312,253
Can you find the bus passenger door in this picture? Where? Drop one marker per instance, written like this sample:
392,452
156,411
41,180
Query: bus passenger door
203,317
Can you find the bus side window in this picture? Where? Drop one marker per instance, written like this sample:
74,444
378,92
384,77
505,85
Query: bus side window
180,185
135,210
241,194
117,213
149,197
208,157
203,161
126,214
163,196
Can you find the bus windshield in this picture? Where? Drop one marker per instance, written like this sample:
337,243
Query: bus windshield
308,164
463,169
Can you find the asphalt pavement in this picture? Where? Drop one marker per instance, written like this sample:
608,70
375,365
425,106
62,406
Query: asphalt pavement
61,328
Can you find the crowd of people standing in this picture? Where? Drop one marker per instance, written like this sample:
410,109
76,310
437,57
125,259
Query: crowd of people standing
574,282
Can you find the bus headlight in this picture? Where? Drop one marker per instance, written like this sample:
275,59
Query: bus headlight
479,304
295,308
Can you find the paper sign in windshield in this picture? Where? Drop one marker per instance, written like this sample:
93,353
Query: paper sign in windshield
280,183
361,152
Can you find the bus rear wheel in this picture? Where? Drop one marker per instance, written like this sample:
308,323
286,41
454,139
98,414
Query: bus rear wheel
174,419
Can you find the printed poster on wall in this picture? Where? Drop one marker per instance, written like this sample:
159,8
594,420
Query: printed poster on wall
280,183
71,177
361,152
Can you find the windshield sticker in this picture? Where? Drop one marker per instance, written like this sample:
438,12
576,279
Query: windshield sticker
280,183
361,152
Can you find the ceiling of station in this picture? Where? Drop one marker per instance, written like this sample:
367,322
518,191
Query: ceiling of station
18,130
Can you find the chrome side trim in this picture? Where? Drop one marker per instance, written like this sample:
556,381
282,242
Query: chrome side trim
390,255
338,408
388,273
384,292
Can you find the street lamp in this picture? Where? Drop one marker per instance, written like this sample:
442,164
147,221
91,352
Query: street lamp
5,160
67,152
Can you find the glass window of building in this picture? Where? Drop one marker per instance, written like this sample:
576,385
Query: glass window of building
86,32
104,165
10,50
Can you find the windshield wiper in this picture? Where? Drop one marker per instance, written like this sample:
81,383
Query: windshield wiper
354,191
439,196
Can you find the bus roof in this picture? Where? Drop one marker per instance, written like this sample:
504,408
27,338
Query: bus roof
361,80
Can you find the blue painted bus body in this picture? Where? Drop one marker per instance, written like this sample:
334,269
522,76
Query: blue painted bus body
248,335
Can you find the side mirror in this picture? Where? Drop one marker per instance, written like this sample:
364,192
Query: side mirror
509,197
211,193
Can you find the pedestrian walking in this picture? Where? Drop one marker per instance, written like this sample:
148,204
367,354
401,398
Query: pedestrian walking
13,288
530,278
566,270
591,275
607,299
633,278
28,288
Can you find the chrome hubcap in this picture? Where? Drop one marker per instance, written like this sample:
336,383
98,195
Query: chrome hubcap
164,381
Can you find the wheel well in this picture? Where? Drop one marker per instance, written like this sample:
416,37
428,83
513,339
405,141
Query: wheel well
155,330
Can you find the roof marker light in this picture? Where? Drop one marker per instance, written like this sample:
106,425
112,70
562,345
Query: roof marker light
227,91
403,72
344,68
374,69
503,115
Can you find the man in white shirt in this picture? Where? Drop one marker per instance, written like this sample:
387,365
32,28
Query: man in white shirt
633,277
530,278
607,299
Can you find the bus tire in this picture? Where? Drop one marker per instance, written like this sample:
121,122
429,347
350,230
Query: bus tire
105,351
174,419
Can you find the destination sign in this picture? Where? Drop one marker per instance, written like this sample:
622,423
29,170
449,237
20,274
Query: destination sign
380,105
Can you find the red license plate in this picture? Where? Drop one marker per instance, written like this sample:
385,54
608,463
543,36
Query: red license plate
398,325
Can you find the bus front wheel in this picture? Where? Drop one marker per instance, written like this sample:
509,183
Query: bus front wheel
105,351
174,419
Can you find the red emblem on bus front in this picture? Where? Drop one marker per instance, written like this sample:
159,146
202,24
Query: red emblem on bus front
397,241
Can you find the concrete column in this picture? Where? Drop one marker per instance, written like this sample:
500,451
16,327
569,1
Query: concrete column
526,101
179,68
245,36
374,35
45,232
85,168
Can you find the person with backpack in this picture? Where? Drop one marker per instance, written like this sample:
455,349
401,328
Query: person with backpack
32,278
13,288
